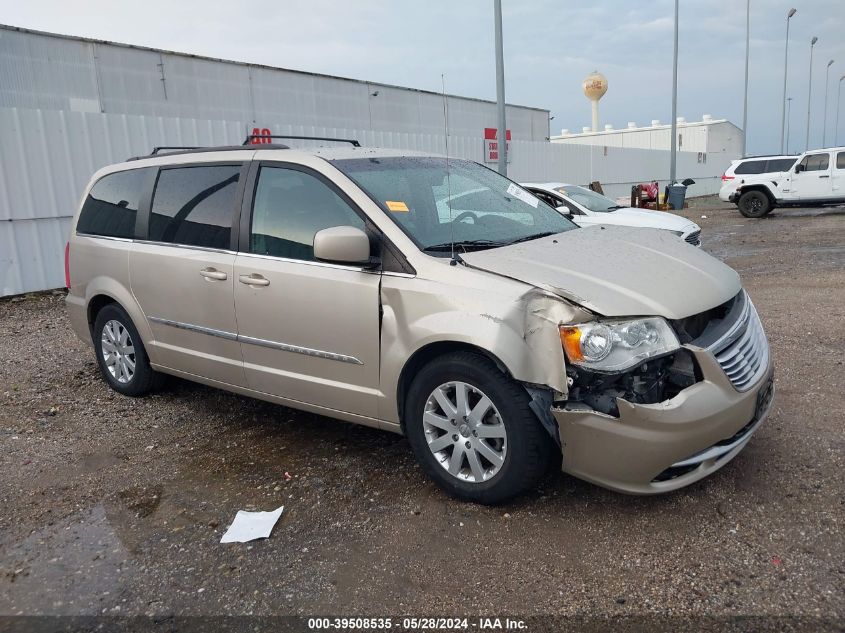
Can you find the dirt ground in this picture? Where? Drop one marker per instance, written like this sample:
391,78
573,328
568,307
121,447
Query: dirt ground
116,506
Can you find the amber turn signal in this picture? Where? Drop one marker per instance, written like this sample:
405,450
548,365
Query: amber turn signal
570,338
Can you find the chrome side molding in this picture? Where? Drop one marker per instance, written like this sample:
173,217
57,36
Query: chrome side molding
297,349
284,347
229,336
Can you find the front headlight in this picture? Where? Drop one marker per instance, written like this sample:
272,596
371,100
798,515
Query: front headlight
617,345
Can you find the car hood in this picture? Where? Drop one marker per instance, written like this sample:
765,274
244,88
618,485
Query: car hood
617,271
647,219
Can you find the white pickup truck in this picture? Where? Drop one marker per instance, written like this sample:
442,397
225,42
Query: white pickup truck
817,178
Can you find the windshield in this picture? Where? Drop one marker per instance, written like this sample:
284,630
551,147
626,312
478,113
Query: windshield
590,199
487,210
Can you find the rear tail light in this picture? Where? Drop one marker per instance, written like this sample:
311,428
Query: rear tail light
725,177
67,265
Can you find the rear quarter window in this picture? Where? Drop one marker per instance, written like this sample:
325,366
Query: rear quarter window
751,167
111,207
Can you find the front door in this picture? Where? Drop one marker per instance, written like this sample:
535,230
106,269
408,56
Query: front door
837,177
183,274
812,179
309,330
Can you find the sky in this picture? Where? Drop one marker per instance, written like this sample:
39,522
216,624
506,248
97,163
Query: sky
549,47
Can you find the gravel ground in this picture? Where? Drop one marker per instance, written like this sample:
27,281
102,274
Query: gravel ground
115,505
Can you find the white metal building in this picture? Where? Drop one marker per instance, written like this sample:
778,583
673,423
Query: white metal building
57,72
710,138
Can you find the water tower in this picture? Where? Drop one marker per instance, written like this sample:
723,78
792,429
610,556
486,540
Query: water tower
595,85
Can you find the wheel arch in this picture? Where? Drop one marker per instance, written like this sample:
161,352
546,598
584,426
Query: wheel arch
95,304
428,353
757,187
103,291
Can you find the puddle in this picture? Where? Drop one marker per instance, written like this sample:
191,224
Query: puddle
75,567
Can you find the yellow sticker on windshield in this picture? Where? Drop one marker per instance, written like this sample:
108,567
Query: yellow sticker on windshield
397,206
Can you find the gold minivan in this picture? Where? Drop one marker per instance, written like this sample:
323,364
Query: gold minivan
425,296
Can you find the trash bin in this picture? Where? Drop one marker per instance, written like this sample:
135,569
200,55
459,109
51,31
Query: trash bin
675,195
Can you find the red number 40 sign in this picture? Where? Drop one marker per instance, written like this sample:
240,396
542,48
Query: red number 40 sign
260,135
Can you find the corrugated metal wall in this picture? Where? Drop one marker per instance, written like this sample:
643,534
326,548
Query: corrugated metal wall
47,157
52,72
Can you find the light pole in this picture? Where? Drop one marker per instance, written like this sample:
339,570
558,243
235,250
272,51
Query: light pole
838,95
788,109
674,145
745,98
824,123
810,90
502,141
785,66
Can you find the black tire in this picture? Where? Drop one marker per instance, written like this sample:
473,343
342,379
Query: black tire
529,448
144,379
754,204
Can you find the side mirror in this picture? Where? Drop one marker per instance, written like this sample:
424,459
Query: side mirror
799,168
342,245
569,215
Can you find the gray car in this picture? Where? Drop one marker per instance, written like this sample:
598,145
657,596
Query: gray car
360,284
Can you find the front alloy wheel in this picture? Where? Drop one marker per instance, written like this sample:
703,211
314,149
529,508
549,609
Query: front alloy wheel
473,431
465,432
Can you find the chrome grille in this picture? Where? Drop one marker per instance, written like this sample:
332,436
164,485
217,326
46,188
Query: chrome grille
694,238
743,353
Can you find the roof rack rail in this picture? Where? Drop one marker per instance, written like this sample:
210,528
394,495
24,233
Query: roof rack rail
175,151
169,148
251,137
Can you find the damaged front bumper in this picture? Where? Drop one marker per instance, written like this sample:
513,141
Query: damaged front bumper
654,448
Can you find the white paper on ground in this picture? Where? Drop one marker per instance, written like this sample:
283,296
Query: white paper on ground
249,526
520,194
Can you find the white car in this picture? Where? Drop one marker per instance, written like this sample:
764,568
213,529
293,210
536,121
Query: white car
817,178
587,208
743,169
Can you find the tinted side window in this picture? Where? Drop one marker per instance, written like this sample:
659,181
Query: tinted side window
840,160
195,205
780,164
290,207
549,199
112,204
815,162
751,167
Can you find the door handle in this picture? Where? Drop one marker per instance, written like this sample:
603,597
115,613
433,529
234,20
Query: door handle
213,273
825,176
254,280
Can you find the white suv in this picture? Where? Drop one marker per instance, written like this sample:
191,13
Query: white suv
766,166
816,177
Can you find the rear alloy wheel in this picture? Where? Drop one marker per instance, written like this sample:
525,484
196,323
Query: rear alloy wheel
754,204
118,351
121,355
472,429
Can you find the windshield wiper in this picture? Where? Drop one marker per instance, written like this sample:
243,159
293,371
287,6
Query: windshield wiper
618,206
447,246
533,237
